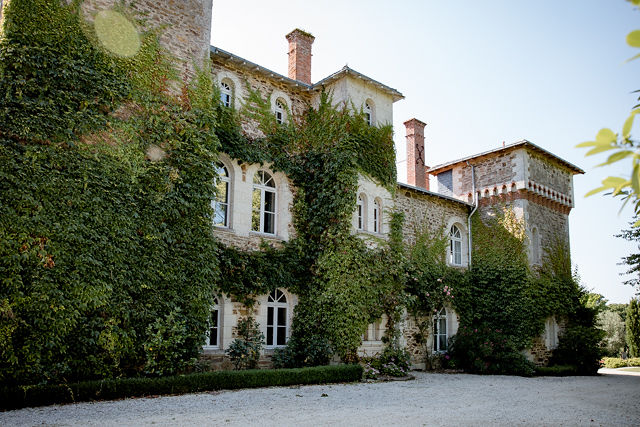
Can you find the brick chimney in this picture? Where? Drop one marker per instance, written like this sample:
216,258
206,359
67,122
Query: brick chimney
416,168
300,55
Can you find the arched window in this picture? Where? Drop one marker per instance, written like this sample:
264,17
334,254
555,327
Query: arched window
263,218
221,202
440,331
281,108
535,247
226,94
377,216
361,209
213,333
276,319
455,246
368,113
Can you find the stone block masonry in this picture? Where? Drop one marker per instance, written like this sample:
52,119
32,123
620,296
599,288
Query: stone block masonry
185,27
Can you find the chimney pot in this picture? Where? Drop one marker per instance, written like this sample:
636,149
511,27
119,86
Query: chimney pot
300,55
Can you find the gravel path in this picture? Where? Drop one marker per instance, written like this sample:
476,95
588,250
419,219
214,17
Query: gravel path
431,399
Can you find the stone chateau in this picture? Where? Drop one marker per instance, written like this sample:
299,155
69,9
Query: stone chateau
254,202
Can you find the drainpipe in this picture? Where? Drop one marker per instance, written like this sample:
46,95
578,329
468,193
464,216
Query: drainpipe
475,207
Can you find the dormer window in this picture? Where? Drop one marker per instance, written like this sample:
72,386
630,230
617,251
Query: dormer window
280,111
225,94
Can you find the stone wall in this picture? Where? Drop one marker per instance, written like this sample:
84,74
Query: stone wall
270,87
185,26
544,171
496,170
552,225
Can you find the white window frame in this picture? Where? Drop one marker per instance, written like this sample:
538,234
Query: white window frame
226,94
216,203
277,299
361,212
264,188
377,216
437,331
455,246
280,110
368,113
214,309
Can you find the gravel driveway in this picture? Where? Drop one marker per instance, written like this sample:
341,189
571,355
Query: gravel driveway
431,399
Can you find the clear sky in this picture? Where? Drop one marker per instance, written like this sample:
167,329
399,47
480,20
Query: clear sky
478,73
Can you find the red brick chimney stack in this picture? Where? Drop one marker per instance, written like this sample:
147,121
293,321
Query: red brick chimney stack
416,168
300,55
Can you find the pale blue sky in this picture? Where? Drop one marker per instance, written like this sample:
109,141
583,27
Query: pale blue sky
478,73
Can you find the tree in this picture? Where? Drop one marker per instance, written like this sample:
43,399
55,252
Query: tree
596,301
633,260
633,327
624,148
613,326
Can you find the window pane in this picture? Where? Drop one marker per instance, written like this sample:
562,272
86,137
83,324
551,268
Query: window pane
282,335
220,215
282,316
269,223
269,335
255,213
457,248
442,326
443,342
269,316
222,188
269,201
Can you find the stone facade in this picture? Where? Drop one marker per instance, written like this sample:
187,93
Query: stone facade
185,25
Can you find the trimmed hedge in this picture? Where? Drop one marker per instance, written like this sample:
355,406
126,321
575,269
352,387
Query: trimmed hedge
616,362
40,395
556,371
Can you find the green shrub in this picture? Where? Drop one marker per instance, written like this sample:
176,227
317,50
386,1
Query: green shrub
302,351
556,371
393,362
38,395
580,343
616,362
483,350
244,351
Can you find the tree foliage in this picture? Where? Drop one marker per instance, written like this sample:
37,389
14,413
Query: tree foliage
633,327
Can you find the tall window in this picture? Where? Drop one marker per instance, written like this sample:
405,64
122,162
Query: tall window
455,246
535,246
440,331
263,218
377,216
360,210
221,202
276,319
213,334
280,110
368,113
225,94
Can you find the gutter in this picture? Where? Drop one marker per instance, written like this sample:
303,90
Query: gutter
475,207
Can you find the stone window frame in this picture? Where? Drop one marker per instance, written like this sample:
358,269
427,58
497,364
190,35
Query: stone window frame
263,187
455,242
279,97
217,309
226,92
221,163
361,212
377,215
440,318
276,301
226,76
368,109
536,258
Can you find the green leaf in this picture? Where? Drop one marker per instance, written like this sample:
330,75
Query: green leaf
596,191
600,149
633,38
614,181
586,144
628,124
606,136
633,57
617,157
635,179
